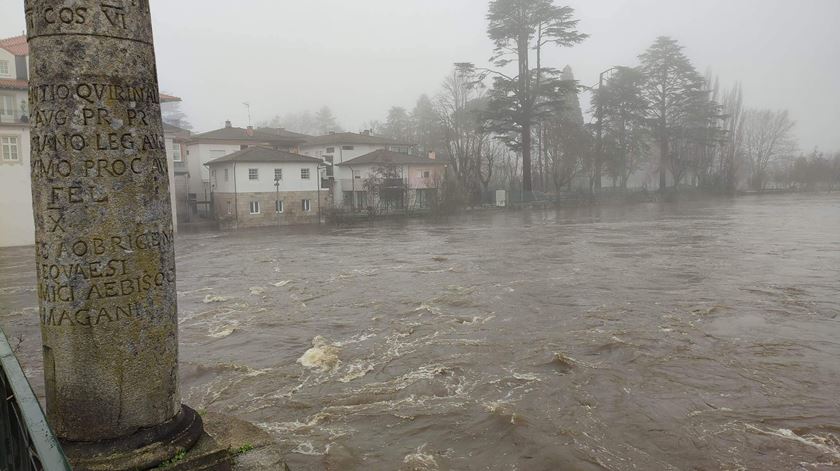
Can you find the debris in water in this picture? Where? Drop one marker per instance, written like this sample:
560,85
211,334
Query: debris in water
281,284
257,290
322,355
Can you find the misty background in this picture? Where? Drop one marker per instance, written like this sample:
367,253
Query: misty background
360,58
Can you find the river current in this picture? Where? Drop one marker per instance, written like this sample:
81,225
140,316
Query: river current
679,336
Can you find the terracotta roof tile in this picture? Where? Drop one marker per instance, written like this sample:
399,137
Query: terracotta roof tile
17,45
8,84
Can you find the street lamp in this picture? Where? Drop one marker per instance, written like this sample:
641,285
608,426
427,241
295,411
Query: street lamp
277,197
599,113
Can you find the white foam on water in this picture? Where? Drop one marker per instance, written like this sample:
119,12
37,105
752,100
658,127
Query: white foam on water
213,298
281,284
222,331
322,355
420,460
811,440
256,290
356,370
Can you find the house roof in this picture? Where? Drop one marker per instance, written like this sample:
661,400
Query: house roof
164,98
264,154
350,138
8,84
16,45
385,157
233,133
283,132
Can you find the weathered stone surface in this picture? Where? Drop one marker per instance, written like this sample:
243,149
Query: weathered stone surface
104,236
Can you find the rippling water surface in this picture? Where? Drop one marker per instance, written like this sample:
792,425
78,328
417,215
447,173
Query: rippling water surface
682,336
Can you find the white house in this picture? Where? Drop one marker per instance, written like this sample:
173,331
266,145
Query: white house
388,180
262,186
336,148
205,147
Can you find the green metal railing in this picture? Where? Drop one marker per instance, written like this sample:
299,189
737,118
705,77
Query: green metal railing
26,440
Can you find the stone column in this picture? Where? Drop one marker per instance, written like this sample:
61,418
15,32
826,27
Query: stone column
104,236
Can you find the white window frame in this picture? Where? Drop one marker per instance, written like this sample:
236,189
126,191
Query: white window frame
8,67
254,207
306,205
176,152
305,174
227,175
253,174
7,145
278,206
278,175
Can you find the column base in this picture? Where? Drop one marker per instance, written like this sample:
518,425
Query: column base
143,449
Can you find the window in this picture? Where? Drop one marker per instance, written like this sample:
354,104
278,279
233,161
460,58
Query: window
305,205
176,152
357,174
229,207
330,171
278,174
278,206
7,106
346,147
330,150
5,71
11,150
425,174
254,206
329,158
226,174
213,173
253,174
304,174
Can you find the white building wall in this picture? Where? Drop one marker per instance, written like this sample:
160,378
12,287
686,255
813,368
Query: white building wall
291,181
17,226
199,154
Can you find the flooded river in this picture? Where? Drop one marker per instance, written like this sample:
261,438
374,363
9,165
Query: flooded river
691,336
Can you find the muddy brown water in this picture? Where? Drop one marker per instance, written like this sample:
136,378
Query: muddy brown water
688,336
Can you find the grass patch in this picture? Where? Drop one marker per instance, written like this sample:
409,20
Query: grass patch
175,459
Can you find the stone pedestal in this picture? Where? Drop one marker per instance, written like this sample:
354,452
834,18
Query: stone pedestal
104,236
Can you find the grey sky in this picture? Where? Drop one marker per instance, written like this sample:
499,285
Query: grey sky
362,57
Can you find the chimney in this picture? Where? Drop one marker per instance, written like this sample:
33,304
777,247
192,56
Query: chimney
227,124
432,155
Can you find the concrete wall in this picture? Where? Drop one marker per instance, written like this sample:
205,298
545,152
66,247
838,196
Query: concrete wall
17,226
227,205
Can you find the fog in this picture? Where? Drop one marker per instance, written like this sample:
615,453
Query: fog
361,58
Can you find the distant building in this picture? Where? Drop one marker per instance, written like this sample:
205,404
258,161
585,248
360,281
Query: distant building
17,226
205,147
389,180
176,152
262,186
337,148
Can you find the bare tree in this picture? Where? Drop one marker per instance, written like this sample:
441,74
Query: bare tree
767,138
